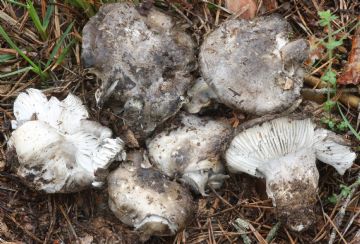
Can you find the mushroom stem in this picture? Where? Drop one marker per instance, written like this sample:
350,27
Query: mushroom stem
291,183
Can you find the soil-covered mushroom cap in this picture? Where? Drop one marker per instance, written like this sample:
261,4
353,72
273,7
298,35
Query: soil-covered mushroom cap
55,148
149,201
252,66
144,63
284,151
192,150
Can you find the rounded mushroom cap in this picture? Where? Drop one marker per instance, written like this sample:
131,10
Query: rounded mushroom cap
149,201
144,63
55,148
251,65
192,150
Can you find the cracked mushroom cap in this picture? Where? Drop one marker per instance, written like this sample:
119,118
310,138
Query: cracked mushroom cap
144,63
284,151
252,65
192,151
54,147
148,201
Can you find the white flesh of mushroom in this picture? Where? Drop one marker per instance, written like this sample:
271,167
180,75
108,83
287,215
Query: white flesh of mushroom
192,151
284,151
57,148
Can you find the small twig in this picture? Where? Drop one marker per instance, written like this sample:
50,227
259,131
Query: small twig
272,233
68,221
52,211
335,228
216,5
356,238
340,215
182,14
351,222
326,90
242,226
345,98
289,236
23,229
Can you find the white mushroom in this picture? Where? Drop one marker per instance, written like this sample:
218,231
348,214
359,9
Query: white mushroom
252,65
55,148
284,151
200,95
144,62
192,151
149,201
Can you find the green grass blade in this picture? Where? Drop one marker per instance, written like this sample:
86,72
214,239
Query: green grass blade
65,51
6,57
348,124
58,45
84,5
36,68
48,15
16,72
17,3
36,20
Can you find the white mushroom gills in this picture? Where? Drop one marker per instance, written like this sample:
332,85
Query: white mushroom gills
56,147
192,151
284,151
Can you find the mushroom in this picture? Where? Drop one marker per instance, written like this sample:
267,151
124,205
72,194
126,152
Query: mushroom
55,148
284,151
252,66
144,63
147,200
192,150
199,95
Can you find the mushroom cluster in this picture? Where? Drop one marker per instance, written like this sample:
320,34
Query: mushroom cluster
146,62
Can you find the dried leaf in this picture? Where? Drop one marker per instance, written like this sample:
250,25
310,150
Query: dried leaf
246,8
317,51
270,5
351,75
4,88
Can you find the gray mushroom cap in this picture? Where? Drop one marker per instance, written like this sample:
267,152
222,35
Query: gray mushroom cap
284,151
144,63
252,65
149,201
192,151
55,147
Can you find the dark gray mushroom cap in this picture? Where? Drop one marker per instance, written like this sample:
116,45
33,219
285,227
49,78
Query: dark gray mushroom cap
144,63
149,201
252,66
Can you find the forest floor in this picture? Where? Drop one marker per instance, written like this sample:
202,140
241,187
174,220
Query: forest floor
40,46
